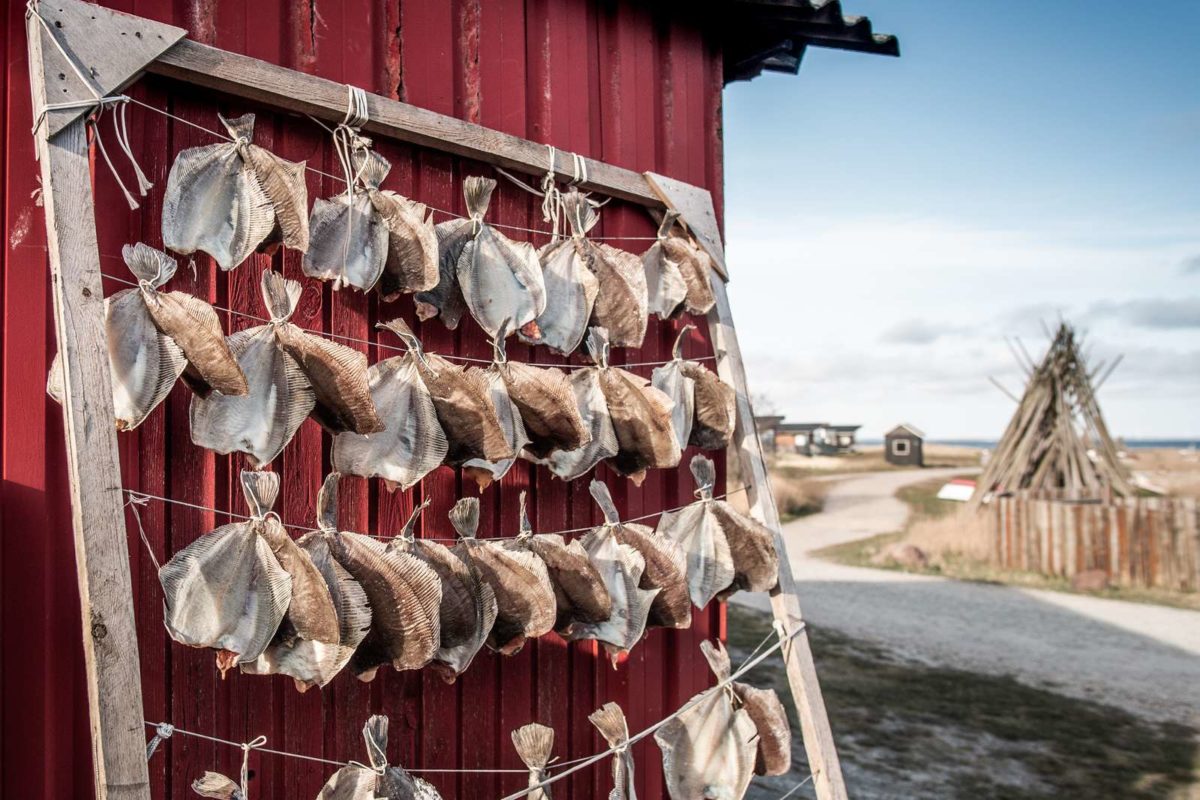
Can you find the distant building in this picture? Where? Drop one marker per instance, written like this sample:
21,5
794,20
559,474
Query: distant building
902,445
806,438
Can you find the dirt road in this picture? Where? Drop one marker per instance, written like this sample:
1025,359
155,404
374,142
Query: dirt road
1140,657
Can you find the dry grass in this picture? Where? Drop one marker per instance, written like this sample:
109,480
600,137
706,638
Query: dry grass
869,458
960,534
1176,472
797,497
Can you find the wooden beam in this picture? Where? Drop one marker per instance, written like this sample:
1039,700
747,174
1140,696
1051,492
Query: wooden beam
101,551
268,84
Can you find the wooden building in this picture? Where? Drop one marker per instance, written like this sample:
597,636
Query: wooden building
903,446
806,438
632,84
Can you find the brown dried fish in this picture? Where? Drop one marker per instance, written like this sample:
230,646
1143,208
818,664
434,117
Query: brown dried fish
621,568
609,719
445,299
376,780
214,784
547,405
534,743
404,594
709,749
501,280
413,444
621,302
349,242
462,398
665,287
710,565
226,590
571,287
593,411
483,471
579,589
752,546
412,260
641,416
227,199
468,608
666,564
767,712
696,266
526,606
715,407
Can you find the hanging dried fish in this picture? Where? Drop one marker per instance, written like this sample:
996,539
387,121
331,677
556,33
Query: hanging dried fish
262,422
525,600
534,743
227,199
404,594
349,241
714,407
463,400
216,785
412,260
579,589
621,567
696,266
501,280
752,546
609,719
774,755
484,471
641,416
593,411
670,380
376,780
226,590
413,444
468,608
546,401
709,749
665,287
571,287
445,299
666,564
710,565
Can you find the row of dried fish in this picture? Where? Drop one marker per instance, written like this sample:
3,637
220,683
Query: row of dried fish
310,607
233,198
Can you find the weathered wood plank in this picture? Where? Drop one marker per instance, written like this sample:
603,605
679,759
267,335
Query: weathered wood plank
101,557
250,78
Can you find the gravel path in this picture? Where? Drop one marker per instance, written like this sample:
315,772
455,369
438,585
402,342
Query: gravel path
1144,658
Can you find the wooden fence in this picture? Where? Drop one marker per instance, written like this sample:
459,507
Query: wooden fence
1146,542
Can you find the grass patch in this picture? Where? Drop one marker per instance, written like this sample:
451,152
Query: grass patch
907,729
796,496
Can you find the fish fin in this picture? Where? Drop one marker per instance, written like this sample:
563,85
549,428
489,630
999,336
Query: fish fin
261,490
609,719
280,295
465,517
375,734
477,191
214,784
534,743
603,498
149,264
717,657
327,502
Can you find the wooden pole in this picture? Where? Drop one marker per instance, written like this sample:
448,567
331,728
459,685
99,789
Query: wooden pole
101,552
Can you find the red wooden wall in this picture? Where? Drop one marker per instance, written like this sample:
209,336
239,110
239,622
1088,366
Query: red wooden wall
612,80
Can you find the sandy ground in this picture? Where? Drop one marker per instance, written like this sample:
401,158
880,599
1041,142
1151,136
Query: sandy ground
1140,657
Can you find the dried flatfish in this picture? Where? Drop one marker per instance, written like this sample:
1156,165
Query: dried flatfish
445,299
403,592
412,445
641,416
525,602
621,301
349,241
463,400
501,280
534,743
484,471
621,568
666,564
227,199
609,719
226,590
696,266
412,255
376,780
752,546
710,566
571,287
216,785
468,607
666,290
714,407
579,590
765,709
670,380
547,404
602,438
709,749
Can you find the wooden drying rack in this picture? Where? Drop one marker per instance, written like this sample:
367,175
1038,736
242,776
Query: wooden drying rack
116,49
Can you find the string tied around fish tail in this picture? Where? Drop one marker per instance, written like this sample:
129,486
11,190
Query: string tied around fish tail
162,732
253,744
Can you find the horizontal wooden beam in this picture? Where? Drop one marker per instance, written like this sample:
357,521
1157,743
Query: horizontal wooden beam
262,82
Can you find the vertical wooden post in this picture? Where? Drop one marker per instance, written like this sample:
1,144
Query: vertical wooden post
101,555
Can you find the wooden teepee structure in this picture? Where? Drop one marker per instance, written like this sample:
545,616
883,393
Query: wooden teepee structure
1057,439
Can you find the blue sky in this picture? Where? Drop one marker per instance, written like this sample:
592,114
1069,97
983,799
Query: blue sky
890,221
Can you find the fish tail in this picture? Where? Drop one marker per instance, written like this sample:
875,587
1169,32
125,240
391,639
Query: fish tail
261,490
603,498
214,784
280,295
410,526
239,127
465,517
327,502
609,719
525,527
534,743
668,222
581,214
597,345
705,473
717,657
477,191
399,327
149,264
375,734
